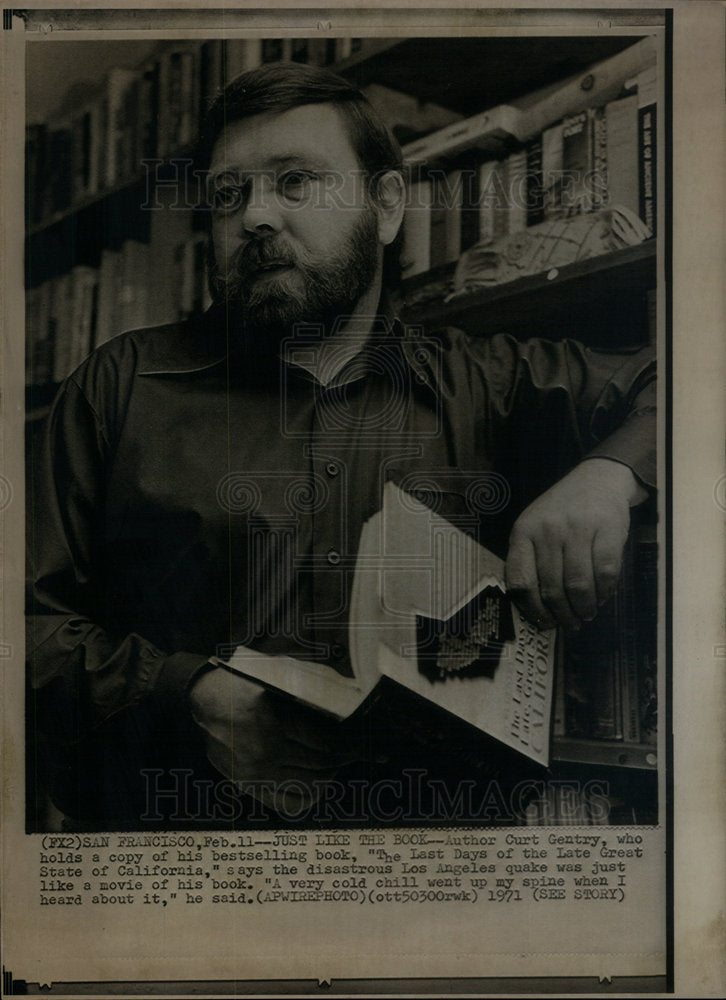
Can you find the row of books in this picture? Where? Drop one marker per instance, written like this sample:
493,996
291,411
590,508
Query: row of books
100,135
597,157
596,803
606,699
69,315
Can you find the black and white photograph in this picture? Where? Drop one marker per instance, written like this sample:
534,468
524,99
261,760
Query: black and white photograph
348,497
366,299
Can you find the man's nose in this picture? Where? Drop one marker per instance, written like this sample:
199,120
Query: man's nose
262,212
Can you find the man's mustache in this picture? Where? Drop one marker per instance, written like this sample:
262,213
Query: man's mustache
258,254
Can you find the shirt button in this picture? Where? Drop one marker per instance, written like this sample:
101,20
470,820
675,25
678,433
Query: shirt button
333,557
332,468
337,651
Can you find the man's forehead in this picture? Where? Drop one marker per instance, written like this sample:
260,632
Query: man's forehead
313,132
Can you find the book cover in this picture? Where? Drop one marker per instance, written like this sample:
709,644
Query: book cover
429,615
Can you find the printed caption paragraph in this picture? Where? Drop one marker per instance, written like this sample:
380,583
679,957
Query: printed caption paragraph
484,868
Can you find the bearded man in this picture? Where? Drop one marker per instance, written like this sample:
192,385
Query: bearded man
203,485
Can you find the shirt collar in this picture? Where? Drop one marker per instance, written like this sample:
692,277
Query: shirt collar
198,346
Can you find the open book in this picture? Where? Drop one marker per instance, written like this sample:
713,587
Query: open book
429,612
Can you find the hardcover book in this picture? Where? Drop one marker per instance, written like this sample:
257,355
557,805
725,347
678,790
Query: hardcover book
430,617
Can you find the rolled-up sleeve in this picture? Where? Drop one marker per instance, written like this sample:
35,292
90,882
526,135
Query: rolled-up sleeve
608,399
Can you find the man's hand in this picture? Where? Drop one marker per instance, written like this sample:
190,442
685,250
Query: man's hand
264,741
566,548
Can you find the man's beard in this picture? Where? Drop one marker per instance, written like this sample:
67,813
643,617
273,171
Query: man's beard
318,295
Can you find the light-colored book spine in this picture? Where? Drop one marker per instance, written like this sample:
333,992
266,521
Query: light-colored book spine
552,169
517,190
416,252
134,291
108,294
445,217
84,280
455,180
119,80
577,160
189,111
62,322
242,54
493,201
622,152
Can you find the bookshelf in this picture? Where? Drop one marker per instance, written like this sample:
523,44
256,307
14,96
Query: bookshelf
470,113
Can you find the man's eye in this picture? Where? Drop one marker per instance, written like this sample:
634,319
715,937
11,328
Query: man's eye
296,183
227,199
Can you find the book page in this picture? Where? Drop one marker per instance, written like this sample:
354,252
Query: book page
606,876
430,567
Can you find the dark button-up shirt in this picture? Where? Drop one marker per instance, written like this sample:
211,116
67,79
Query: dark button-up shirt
189,498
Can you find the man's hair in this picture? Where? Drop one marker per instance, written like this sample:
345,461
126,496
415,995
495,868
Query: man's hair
280,87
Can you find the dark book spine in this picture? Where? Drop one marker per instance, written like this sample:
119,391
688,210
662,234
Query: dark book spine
646,590
629,641
647,164
469,205
149,111
576,162
271,50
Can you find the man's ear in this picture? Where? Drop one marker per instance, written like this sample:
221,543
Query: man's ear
389,198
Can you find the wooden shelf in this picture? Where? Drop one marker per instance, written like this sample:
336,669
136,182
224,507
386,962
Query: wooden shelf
599,300
468,74
607,753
